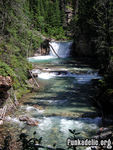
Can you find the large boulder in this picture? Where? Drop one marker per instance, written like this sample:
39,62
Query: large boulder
28,120
5,85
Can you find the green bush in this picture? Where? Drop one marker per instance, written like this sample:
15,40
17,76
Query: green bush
56,33
5,70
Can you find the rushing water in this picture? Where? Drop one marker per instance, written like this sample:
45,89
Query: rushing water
64,95
61,48
63,100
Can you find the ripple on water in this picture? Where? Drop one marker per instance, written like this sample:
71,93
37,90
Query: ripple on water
14,120
57,129
59,91
80,78
32,109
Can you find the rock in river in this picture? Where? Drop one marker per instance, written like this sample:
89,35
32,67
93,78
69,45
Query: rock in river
29,121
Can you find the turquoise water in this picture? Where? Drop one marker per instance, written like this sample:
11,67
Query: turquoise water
64,99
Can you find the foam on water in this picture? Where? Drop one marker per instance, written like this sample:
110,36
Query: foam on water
80,78
64,93
92,147
49,75
61,48
36,71
54,102
14,120
39,58
31,109
79,124
56,129
84,78
46,75
62,125
45,124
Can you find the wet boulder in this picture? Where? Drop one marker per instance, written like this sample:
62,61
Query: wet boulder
32,122
23,118
28,120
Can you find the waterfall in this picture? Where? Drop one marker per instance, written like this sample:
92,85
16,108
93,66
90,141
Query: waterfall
61,48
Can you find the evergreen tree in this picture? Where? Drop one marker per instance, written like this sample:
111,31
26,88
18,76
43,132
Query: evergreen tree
48,17
57,14
62,11
86,17
53,13
104,25
40,16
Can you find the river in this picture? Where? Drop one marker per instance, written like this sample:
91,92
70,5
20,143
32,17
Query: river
63,100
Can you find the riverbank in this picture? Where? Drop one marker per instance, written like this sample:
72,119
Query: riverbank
62,102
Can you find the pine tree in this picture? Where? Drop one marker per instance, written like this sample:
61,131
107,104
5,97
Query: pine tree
53,13
38,8
47,16
57,14
62,12
104,25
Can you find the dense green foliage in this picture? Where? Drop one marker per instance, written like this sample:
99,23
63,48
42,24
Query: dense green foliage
17,40
104,12
5,70
23,22
47,18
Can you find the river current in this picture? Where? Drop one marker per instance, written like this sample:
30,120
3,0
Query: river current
63,101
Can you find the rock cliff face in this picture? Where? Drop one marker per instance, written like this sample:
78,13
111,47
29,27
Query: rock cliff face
5,85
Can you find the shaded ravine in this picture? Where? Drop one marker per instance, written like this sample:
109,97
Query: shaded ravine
62,102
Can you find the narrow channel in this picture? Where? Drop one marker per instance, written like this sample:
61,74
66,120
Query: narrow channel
64,98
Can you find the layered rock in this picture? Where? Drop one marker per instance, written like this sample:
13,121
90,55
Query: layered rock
5,85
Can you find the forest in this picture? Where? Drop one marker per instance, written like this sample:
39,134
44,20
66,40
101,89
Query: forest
25,24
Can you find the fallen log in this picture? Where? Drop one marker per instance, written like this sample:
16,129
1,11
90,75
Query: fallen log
34,79
54,51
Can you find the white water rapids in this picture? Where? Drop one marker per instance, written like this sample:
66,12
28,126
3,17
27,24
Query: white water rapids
63,99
